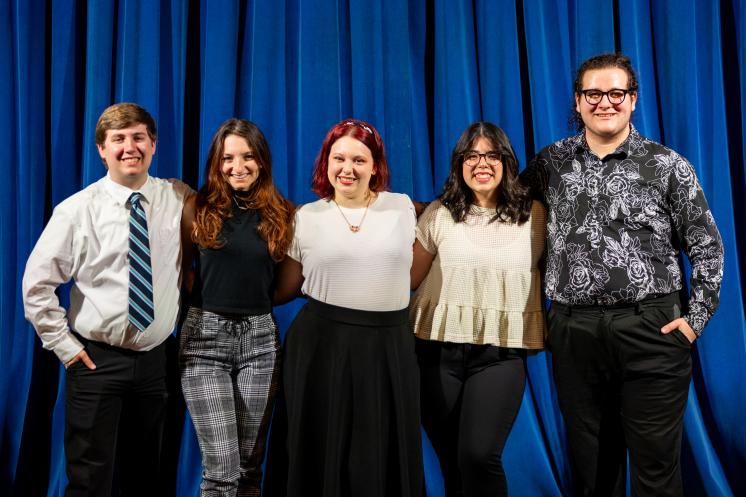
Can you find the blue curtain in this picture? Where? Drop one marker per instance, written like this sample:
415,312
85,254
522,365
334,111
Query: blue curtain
420,71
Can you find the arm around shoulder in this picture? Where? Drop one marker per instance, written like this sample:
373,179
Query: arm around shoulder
187,245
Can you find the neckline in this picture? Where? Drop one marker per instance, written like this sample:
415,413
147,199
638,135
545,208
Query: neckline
373,202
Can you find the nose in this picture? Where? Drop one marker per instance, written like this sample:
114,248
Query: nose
129,143
608,103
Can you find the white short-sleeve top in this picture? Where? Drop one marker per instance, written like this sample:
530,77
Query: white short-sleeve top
367,270
484,286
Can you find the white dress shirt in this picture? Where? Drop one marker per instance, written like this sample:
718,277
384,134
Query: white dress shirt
87,240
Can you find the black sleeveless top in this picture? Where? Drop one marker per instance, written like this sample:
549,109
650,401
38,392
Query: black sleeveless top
237,277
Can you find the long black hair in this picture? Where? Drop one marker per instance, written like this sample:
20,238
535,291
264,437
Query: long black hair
513,199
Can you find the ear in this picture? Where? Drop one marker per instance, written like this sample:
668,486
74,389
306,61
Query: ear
577,102
633,100
154,143
100,148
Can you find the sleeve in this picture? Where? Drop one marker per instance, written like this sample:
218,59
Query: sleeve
183,190
700,238
294,251
412,214
536,178
51,263
538,225
428,232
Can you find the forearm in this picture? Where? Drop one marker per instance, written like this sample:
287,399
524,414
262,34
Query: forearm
43,311
705,291
288,281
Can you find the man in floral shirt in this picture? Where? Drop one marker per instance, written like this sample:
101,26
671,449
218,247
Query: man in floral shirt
620,210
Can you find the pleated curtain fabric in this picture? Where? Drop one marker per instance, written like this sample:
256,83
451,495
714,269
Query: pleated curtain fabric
420,71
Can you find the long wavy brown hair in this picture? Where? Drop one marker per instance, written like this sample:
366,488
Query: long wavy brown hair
213,202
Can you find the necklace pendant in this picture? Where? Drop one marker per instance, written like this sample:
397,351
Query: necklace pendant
354,228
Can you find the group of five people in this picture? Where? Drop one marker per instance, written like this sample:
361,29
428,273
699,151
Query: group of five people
602,215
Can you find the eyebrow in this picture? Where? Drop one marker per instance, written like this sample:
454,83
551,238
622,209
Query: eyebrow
136,134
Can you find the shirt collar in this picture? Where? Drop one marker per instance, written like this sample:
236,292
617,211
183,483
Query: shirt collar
632,141
122,194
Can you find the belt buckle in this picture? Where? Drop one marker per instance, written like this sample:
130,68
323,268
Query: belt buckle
604,301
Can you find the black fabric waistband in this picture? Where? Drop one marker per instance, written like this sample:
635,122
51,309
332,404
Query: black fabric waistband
356,316
105,346
637,307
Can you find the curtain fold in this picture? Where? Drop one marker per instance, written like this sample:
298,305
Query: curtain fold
420,72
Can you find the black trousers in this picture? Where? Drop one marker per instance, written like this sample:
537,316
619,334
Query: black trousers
470,396
622,385
115,412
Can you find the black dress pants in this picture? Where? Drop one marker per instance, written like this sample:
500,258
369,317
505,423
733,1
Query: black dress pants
470,396
622,385
115,412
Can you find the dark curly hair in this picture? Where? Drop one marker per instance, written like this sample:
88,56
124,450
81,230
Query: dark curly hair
513,200
602,61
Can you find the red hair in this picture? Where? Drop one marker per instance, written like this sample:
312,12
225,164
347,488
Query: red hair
368,136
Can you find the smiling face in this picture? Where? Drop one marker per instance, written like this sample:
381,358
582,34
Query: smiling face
238,164
350,168
606,122
482,178
127,154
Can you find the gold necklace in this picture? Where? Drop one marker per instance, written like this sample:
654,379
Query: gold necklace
354,227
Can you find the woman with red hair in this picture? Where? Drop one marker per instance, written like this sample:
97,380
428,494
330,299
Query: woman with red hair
350,372
234,230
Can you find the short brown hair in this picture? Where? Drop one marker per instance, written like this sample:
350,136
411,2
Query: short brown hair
124,115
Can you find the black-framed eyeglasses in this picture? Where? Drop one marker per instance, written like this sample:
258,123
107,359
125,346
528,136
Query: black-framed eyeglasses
471,159
615,96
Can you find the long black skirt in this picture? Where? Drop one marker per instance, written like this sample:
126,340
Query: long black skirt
348,419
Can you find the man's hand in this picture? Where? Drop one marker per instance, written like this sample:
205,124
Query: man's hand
681,325
82,356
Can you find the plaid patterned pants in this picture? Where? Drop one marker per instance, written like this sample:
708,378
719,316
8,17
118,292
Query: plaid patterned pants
229,373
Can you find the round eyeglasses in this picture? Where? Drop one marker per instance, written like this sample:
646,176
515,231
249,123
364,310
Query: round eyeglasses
615,96
471,159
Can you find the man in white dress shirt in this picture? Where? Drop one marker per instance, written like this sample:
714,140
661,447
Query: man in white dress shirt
115,393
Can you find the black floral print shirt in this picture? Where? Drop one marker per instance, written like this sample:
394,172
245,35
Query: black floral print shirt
616,225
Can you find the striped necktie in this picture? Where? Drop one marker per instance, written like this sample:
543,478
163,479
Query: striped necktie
141,277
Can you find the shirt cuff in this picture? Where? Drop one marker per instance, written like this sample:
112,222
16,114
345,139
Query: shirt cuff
67,348
696,318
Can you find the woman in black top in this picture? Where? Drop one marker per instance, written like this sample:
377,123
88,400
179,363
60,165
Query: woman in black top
233,232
